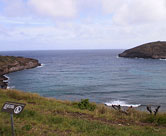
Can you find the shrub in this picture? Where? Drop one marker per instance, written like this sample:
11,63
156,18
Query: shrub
161,120
150,119
158,120
84,104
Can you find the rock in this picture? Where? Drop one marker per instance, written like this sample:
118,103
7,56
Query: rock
3,82
2,78
3,85
10,64
154,50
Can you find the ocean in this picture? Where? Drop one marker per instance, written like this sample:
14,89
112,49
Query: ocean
98,75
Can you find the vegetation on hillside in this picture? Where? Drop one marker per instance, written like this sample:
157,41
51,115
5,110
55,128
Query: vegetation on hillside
12,61
4,60
51,117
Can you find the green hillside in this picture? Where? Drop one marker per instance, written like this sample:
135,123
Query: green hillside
51,117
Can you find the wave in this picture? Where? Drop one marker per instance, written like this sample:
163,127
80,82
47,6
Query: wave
162,59
121,103
8,78
42,65
10,87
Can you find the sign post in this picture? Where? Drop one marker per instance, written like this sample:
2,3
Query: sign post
12,124
12,108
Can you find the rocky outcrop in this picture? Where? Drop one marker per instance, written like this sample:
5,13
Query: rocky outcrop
154,50
10,64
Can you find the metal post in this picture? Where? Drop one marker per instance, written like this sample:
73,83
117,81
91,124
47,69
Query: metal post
12,124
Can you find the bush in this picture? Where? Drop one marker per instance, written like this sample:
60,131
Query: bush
158,120
150,119
84,104
161,120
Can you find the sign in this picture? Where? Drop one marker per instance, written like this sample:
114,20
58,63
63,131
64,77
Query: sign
13,107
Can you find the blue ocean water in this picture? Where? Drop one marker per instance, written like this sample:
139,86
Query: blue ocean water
98,75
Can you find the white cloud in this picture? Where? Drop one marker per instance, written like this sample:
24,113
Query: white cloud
125,23
135,11
21,21
96,34
90,5
14,7
111,6
54,8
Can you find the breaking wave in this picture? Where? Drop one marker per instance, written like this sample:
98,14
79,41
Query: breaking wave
10,87
42,65
121,103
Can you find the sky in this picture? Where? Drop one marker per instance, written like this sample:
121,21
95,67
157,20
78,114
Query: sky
80,24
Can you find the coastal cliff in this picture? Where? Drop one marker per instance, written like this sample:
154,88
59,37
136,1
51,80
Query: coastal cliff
153,50
10,64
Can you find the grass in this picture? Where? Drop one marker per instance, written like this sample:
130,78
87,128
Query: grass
51,117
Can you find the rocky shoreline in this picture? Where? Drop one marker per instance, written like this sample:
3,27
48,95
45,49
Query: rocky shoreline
3,82
10,64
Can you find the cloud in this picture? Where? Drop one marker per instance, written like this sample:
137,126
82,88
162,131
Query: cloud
20,21
121,11
135,11
112,6
89,23
14,8
77,35
38,8
54,8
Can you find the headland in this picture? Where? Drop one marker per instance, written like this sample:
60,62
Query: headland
153,50
10,64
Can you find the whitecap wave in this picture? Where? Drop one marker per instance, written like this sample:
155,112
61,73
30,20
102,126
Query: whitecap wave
42,65
162,59
6,76
121,103
10,87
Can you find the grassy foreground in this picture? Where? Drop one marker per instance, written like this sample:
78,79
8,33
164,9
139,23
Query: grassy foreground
51,117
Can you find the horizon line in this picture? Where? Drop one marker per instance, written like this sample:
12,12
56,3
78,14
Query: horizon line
60,50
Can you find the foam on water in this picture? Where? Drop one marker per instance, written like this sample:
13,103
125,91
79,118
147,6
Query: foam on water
10,87
121,103
162,59
42,65
7,77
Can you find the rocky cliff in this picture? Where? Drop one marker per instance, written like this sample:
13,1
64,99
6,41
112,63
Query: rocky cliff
154,50
10,64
